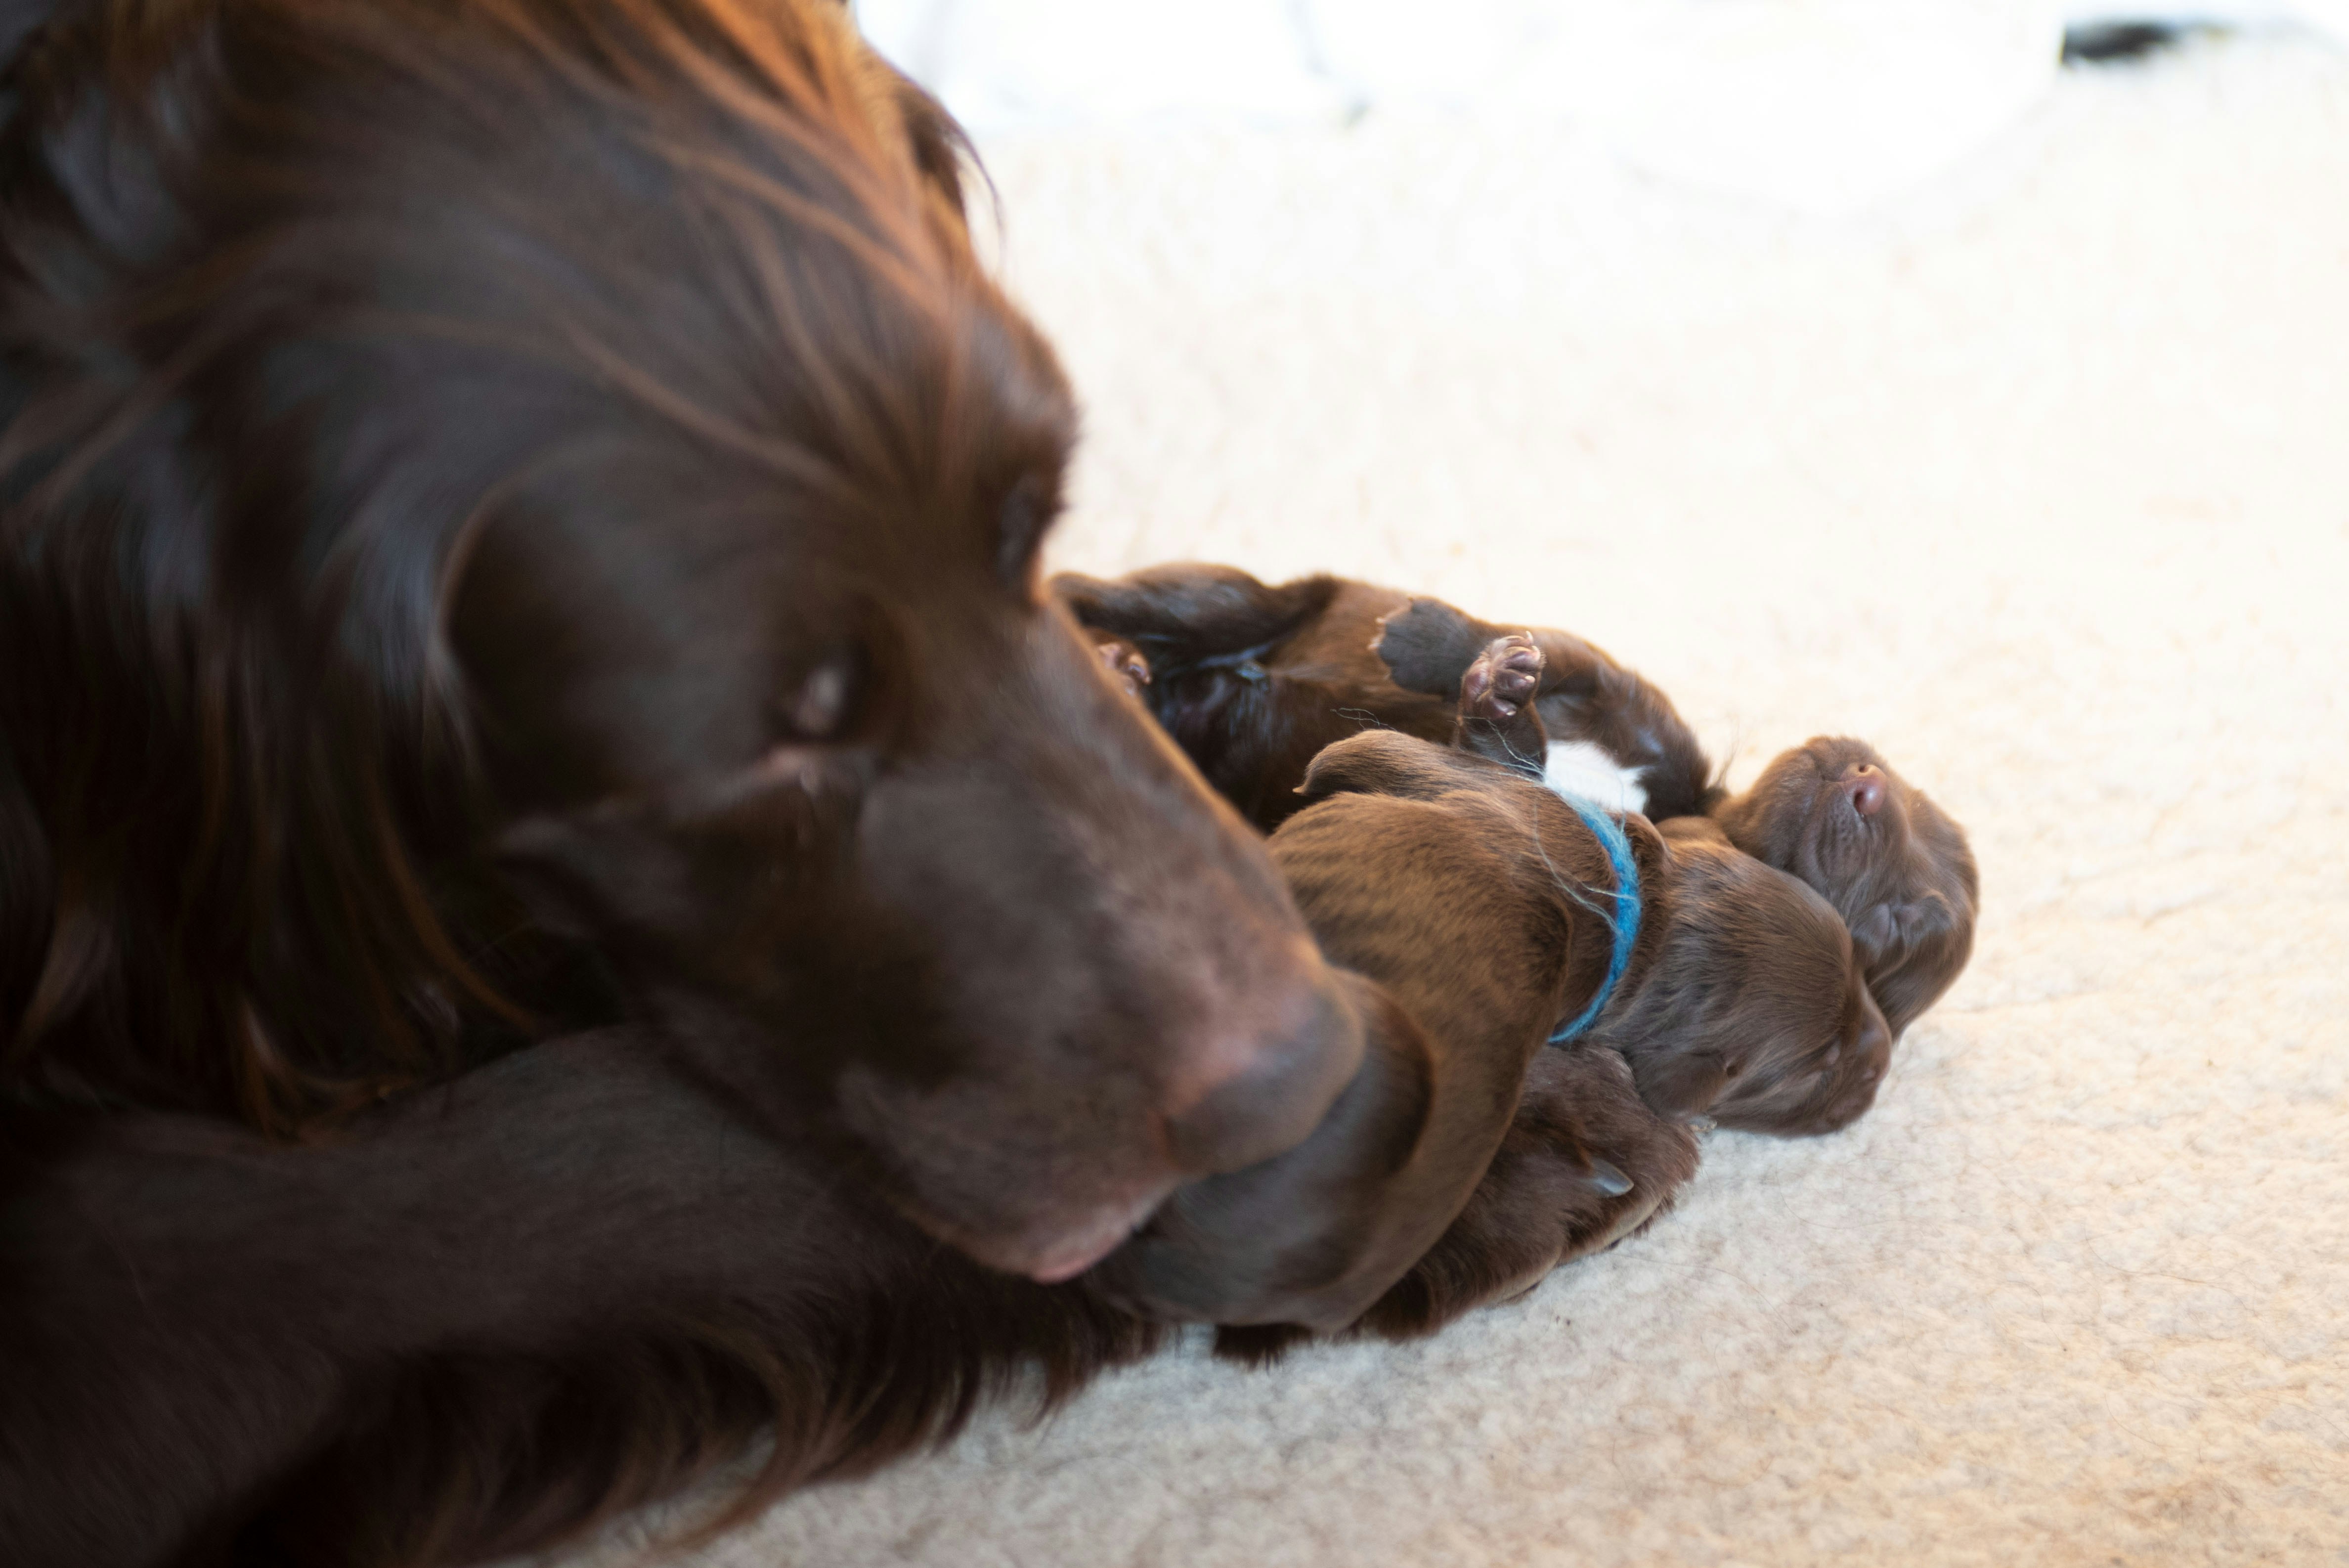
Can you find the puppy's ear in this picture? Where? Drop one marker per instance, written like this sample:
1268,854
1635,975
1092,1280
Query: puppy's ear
942,148
1358,765
1887,934
1693,831
1911,951
1387,762
1681,1084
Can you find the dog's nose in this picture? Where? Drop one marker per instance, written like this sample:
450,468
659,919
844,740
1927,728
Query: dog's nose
1865,783
1271,1101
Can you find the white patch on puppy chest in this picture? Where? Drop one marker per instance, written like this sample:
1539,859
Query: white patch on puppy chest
1584,769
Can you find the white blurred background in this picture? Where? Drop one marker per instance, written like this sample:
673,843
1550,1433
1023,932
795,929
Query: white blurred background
1820,104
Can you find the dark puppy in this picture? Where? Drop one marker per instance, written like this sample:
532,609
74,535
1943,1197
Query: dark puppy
1755,1009
1253,680
1895,865
1831,812
1252,677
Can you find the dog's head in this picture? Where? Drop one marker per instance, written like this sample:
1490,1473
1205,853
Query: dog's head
1895,865
1754,1010
524,467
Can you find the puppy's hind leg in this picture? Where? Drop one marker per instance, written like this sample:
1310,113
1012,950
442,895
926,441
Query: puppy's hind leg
1497,719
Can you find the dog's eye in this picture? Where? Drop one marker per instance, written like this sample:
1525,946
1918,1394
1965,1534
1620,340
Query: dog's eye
1027,511
819,710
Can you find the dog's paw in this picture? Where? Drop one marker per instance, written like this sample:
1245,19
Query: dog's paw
1585,1164
1426,646
1497,719
1124,663
1501,678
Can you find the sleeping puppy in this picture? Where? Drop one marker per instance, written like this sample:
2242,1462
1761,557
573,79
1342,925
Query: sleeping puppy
1486,915
1253,679
1895,865
1248,677
1831,812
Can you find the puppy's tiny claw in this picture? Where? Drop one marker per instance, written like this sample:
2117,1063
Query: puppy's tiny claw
1608,1178
1701,1124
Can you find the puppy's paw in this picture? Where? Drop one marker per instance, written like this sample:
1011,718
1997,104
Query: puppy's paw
1497,719
1501,679
1585,1164
1426,646
1124,663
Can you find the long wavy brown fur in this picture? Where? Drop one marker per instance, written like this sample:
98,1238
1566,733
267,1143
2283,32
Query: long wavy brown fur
238,800
472,1458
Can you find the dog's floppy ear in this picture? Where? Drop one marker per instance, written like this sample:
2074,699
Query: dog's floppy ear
1911,951
19,20
1681,1084
1388,762
942,148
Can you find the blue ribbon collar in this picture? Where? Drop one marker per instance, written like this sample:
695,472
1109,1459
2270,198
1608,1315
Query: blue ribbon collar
1609,830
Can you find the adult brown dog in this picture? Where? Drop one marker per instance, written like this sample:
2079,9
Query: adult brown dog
517,504
517,514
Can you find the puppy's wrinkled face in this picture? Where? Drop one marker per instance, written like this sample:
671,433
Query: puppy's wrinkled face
1755,1012
1895,865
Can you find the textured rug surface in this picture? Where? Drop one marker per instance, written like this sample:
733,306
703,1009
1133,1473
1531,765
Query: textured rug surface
2039,481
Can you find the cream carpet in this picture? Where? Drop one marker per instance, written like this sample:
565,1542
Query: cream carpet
2040,481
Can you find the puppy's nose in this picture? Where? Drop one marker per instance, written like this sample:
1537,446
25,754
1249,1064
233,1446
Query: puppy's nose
1276,1099
1865,783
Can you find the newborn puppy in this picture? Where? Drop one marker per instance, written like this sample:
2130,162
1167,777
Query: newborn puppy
1831,812
1254,679
1895,865
1480,915
1755,958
